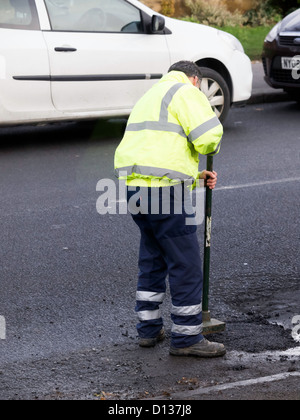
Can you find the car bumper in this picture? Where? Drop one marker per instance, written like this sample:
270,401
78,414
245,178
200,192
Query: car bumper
275,75
242,77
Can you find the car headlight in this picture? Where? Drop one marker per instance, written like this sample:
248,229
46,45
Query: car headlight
273,33
232,41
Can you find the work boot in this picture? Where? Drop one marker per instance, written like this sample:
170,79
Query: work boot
151,342
204,349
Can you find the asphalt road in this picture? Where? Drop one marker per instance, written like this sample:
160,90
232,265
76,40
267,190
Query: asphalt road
68,275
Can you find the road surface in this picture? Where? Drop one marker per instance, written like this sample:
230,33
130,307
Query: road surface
68,275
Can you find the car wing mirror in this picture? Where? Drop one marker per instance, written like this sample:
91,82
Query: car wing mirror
158,24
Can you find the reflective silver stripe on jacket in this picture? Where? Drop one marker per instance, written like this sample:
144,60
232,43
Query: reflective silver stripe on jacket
157,126
155,172
204,128
164,113
150,297
162,124
187,310
187,330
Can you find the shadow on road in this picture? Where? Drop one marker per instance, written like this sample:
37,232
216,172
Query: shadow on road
61,133
70,132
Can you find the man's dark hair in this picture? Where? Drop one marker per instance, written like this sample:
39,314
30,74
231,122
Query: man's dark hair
188,67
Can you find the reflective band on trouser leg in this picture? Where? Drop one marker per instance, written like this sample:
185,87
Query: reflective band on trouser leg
152,283
187,330
187,311
185,276
149,315
150,296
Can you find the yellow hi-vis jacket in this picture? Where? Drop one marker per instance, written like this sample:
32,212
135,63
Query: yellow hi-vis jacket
167,129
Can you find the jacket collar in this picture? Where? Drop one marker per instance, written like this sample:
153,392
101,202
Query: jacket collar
176,77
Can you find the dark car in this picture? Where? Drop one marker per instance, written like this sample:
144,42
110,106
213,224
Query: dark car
281,56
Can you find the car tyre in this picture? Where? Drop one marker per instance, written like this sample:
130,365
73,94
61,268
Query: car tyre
217,91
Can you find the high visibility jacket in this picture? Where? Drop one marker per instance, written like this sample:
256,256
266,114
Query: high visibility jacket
167,129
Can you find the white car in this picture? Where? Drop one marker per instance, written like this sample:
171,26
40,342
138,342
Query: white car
84,59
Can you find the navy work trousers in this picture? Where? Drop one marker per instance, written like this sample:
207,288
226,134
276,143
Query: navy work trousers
169,248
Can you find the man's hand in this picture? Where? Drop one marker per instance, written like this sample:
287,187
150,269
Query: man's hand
211,179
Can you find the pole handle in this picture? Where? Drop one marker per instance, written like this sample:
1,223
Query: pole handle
207,239
210,163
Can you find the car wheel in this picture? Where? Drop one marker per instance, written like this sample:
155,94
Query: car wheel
216,89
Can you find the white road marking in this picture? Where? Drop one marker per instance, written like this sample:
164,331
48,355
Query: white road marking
237,356
240,384
249,382
257,184
276,355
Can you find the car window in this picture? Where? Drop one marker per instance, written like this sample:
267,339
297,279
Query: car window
19,14
94,16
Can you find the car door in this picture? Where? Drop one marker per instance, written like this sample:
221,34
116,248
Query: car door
101,57
23,59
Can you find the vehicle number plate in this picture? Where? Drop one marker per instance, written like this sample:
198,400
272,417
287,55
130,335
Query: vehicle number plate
290,63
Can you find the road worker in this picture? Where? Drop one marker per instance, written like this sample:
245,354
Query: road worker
159,159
